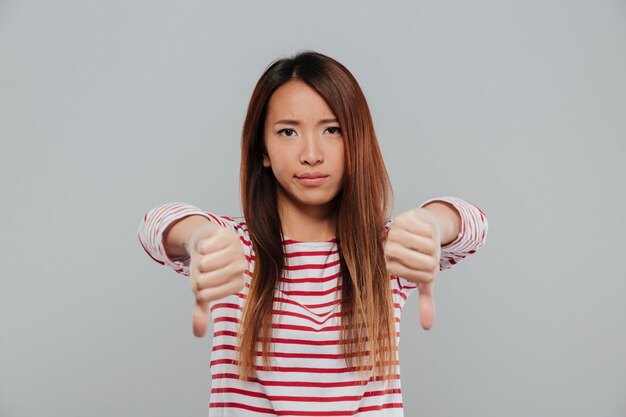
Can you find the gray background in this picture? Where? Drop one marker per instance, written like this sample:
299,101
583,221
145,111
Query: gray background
110,108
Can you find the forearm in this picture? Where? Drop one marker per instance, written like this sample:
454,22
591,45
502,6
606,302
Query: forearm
177,234
448,220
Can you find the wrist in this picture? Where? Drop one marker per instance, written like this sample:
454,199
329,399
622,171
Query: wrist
177,236
448,220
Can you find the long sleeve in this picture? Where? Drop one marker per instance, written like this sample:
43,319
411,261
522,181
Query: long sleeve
473,235
156,221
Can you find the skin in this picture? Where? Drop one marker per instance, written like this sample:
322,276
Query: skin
302,134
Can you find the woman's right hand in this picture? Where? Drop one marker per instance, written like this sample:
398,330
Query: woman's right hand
217,265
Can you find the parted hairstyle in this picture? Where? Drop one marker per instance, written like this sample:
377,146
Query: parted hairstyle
361,209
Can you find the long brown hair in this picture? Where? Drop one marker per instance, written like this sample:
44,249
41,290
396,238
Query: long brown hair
363,206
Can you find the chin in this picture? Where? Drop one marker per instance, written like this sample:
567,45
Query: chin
310,197
313,200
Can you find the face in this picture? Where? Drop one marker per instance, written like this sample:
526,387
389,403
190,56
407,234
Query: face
304,146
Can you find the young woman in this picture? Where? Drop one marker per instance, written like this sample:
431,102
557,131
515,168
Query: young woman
306,288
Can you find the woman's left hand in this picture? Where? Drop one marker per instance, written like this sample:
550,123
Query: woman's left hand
412,251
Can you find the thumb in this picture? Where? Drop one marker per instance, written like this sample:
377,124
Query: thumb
200,318
426,305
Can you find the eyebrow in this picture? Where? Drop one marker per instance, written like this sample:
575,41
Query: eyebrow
297,123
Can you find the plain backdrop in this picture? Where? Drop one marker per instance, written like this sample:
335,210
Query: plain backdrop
110,108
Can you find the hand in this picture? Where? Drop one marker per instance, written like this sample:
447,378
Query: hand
217,264
412,251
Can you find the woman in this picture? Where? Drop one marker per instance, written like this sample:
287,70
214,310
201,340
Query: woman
307,287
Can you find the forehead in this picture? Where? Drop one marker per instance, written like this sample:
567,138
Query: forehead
296,99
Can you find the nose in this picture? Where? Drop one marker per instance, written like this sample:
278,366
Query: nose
311,152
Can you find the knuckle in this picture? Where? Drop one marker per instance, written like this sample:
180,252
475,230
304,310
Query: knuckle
409,275
205,296
431,264
234,237
201,245
238,284
435,264
234,249
400,220
205,264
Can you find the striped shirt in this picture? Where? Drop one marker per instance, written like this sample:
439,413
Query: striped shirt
308,377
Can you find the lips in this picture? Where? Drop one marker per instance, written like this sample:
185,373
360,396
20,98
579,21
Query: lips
311,179
311,175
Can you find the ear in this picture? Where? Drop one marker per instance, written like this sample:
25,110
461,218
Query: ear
266,161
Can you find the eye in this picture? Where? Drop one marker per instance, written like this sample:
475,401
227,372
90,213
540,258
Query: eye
283,130
337,128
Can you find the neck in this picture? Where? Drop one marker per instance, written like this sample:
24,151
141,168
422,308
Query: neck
306,223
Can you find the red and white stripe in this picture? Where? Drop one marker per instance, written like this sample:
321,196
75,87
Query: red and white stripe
308,377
